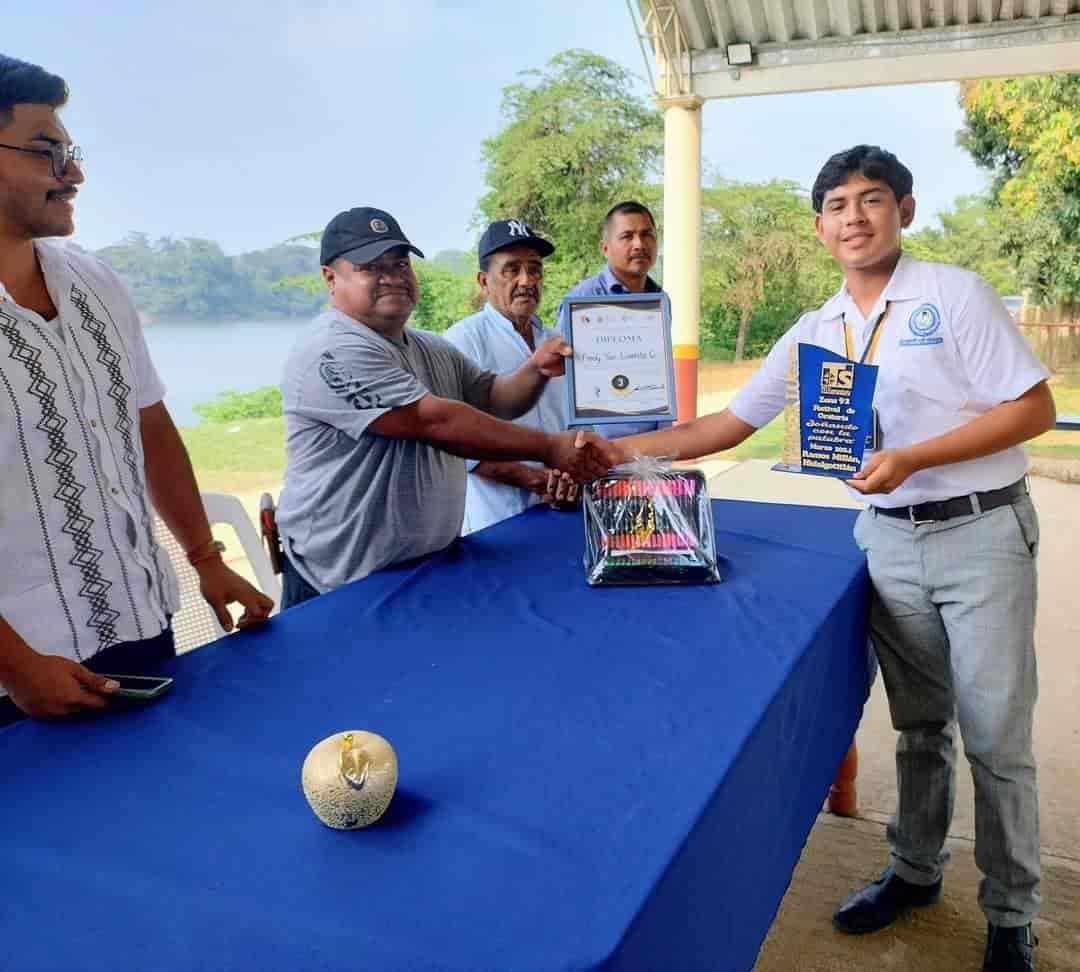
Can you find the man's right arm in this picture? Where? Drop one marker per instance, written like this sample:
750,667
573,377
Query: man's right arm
465,431
691,440
47,685
754,405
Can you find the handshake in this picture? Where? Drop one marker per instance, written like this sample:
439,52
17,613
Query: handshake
584,455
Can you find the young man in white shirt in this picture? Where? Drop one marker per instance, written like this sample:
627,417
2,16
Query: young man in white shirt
88,444
950,536
501,338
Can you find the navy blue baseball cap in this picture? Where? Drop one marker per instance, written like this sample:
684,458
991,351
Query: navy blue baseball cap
511,232
361,235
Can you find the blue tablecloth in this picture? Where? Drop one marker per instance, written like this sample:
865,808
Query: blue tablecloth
590,777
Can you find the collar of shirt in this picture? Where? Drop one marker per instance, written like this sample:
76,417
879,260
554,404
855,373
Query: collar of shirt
903,285
615,286
499,319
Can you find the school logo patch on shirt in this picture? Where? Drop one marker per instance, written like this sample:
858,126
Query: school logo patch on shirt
924,323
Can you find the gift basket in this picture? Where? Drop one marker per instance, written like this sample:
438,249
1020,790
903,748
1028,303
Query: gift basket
649,523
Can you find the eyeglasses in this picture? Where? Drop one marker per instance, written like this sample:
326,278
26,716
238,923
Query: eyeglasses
61,155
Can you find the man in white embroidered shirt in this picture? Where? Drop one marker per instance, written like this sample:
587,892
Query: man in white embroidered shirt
88,443
500,338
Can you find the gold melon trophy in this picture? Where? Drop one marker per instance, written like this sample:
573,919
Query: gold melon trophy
349,779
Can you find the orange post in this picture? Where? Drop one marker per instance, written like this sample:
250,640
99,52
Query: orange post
686,380
843,796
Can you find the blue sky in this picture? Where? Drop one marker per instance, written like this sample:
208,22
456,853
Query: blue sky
250,122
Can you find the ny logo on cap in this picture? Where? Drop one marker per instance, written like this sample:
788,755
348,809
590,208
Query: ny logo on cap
378,226
518,228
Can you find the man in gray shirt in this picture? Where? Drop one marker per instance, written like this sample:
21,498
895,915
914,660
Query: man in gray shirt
380,417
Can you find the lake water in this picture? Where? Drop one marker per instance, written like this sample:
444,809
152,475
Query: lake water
198,361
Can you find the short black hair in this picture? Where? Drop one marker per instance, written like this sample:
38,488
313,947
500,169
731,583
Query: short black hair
629,207
870,161
27,84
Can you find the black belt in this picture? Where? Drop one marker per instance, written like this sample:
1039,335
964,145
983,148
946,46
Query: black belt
959,505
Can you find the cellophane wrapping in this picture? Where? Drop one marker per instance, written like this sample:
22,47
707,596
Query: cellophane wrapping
647,522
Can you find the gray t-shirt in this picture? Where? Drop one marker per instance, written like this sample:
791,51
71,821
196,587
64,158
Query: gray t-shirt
354,501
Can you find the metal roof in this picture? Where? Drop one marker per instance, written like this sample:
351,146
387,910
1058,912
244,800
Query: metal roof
799,45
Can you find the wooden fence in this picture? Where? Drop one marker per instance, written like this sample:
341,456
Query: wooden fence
1056,344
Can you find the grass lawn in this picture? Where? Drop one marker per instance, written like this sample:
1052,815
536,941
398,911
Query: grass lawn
237,457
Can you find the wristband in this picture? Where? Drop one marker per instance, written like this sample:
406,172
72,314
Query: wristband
208,550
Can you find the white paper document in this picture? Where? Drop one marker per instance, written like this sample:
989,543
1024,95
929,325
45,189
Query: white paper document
621,362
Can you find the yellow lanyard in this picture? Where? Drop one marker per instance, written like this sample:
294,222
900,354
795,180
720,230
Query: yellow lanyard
871,345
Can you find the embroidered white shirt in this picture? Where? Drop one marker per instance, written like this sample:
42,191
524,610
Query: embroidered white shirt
948,352
80,567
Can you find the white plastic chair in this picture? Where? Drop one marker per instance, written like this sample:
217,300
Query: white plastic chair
195,624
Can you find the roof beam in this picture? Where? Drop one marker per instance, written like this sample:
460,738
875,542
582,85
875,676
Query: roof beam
813,18
965,12
749,17
873,16
720,17
918,14
946,54
781,17
695,21
845,18
895,16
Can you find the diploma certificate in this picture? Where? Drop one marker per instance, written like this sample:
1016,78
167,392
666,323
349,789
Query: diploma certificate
622,365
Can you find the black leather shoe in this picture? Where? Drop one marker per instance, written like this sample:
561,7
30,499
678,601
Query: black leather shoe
881,903
1009,949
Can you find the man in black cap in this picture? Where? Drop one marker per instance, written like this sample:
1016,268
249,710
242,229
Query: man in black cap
379,418
500,338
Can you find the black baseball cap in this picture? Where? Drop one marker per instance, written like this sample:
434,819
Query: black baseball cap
362,234
511,232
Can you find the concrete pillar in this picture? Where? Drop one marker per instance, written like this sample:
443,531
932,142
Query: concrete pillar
682,240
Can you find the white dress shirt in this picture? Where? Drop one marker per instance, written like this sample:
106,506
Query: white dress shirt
948,352
491,341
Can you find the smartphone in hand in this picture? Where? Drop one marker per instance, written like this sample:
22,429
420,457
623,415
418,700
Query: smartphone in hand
139,688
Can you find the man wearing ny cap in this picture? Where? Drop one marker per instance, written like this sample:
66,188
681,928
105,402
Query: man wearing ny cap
501,338
380,417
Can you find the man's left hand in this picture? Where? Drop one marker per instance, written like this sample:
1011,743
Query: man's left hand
222,586
549,357
885,471
562,491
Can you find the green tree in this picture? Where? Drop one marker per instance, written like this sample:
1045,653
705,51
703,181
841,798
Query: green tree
445,297
193,279
970,235
762,264
1026,131
576,140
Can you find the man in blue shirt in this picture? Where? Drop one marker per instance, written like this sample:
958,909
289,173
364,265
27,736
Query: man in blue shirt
500,338
629,244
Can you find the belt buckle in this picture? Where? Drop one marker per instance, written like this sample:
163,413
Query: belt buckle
914,522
